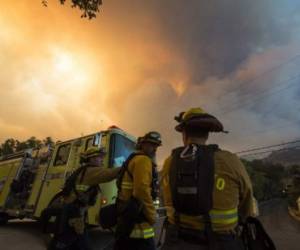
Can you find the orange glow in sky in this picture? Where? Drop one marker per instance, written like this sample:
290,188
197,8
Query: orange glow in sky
63,76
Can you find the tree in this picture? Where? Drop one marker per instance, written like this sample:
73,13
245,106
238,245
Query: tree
21,146
8,147
11,145
294,170
267,178
89,8
34,143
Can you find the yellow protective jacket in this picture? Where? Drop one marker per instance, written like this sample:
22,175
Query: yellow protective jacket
91,177
97,175
232,195
139,186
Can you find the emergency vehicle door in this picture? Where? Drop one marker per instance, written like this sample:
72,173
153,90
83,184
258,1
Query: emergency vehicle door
55,175
120,147
21,184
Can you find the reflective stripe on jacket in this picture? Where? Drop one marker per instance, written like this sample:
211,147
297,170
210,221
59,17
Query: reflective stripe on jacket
142,232
127,185
222,220
225,217
82,188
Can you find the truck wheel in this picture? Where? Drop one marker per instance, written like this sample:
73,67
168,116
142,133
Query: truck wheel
3,219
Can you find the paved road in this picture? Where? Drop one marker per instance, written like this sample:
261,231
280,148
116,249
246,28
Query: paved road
25,235
18,235
284,230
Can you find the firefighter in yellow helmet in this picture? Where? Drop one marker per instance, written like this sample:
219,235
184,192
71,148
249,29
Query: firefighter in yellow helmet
205,189
80,192
137,189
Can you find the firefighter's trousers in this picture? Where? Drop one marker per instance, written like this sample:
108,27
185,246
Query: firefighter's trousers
176,241
67,236
134,244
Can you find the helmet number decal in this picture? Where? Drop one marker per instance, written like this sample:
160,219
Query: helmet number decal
220,184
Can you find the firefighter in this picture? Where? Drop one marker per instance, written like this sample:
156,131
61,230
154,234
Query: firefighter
80,192
205,189
137,189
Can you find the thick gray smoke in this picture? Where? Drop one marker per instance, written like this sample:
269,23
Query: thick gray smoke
147,60
234,41
217,36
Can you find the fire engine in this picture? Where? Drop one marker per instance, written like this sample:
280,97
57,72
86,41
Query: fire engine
31,180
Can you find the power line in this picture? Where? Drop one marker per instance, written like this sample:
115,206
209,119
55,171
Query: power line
270,151
257,77
264,92
289,124
266,147
284,124
264,73
260,97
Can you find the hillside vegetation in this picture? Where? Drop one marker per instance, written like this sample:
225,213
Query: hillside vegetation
269,179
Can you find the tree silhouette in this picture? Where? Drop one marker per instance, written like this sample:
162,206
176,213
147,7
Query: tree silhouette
8,147
11,145
267,178
89,8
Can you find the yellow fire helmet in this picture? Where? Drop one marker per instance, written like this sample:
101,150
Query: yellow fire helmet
92,152
199,119
152,137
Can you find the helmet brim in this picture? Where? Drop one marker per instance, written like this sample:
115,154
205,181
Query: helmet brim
157,143
205,122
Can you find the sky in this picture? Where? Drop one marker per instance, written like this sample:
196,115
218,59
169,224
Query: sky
140,63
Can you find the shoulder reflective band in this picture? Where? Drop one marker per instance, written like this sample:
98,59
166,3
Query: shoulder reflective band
126,185
82,188
142,233
224,216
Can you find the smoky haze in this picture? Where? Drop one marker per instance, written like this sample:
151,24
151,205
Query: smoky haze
140,63
226,47
215,37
